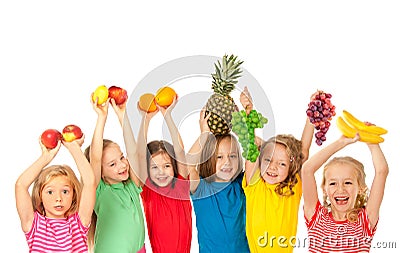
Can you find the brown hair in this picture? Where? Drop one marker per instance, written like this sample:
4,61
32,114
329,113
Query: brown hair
362,196
165,148
45,177
294,151
92,228
207,167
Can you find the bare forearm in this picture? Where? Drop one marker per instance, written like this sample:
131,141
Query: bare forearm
129,138
96,146
318,159
82,164
193,156
306,138
176,138
30,174
379,160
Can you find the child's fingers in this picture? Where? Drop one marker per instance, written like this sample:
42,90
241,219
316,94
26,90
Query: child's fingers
203,114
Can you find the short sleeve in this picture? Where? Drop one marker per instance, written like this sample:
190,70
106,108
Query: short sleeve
100,188
200,191
314,217
30,233
253,181
82,227
367,226
134,187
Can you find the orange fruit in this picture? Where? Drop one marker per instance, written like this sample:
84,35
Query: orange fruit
147,102
165,96
101,93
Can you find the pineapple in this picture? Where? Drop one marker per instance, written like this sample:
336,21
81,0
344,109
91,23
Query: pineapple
221,104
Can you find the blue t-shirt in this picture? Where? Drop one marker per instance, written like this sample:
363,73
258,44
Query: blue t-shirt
220,210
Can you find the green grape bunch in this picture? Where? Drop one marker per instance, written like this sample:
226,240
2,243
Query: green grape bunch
243,126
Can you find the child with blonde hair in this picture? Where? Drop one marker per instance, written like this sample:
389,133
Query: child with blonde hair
56,217
273,188
347,218
118,223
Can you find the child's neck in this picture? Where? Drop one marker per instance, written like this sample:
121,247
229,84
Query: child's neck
339,216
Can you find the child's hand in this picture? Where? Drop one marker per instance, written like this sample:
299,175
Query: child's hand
204,127
119,109
246,100
78,142
315,94
168,109
102,109
148,115
346,141
370,144
49,153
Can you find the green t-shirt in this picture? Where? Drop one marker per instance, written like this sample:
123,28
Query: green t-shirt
120,224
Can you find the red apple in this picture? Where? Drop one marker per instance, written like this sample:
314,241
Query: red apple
50,138
118,94
71,132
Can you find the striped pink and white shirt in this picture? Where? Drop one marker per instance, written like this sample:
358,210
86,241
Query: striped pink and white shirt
57,235
327,235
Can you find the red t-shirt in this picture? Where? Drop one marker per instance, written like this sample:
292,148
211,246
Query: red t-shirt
168,212
327,235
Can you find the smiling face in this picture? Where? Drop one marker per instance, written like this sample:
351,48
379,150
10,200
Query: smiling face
57,196
115,167
341,188
161,170
275,163
227,161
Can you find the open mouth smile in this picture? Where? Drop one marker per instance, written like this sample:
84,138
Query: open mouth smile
341,200
270,174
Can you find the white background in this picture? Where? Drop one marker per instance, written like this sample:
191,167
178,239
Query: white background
53,54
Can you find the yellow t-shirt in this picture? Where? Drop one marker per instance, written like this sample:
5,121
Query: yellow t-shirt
271,219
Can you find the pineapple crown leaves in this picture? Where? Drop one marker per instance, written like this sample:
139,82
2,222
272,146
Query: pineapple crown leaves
226,74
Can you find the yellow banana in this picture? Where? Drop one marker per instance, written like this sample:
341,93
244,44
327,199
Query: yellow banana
359,125
350,132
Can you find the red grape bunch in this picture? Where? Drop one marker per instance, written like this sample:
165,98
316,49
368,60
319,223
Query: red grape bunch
320,112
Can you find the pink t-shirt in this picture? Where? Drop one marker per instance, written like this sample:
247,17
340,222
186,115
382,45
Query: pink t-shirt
57,235
327,235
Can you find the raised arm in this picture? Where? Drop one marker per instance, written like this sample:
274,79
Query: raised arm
306,139
96,146
247,103
308,133
142,143
176,139
310,192
24,181
246,100
194,154
129,141
378,183
88,196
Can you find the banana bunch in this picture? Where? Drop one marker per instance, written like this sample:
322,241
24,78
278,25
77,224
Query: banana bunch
350,126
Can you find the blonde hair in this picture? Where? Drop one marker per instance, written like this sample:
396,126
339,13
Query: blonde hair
362,196
294,151
48,174
209,156
92,228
